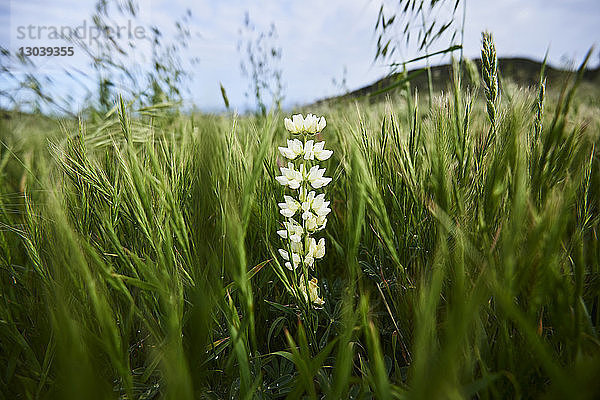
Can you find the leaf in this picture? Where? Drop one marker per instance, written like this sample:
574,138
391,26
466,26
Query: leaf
281,307
276,325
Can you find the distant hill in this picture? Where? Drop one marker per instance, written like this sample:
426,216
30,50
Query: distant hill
522,71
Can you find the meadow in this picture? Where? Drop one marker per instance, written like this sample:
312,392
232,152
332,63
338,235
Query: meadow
139,251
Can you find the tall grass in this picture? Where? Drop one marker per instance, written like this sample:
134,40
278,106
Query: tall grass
139,254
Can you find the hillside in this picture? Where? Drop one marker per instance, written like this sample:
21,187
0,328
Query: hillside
522,71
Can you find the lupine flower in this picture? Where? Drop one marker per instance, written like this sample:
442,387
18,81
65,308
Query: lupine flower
294,125
293,149
313,125
315,223
290,177
315,251
308,150
319,219
315,177
321,125
312,151
293,231
313,291
286,256
303,175
310,124
316,204
297,247
289,208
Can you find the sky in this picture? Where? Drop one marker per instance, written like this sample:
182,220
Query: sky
319,41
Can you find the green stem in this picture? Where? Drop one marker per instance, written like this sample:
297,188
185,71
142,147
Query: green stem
306,238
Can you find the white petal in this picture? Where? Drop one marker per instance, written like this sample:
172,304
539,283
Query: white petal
298,122
282,180
319,183
311,224
323,211
291,203
288,124
313,173
318,202
286,212
312,245
289,172
298,147
322,222
308,260
324,155
287,153
308,123
308,150
320,249
305,206
294,184
321,125
297,248
284,254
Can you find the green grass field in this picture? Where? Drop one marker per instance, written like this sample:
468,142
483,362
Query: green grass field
139,252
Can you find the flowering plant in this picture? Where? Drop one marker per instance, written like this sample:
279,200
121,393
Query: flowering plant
305,210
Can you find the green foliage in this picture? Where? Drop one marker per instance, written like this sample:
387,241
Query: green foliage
137,253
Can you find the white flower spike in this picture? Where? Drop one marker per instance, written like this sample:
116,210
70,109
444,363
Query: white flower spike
304,177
